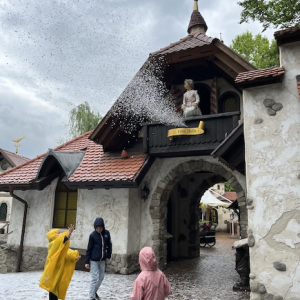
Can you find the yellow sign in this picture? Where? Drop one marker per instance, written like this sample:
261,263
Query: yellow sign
186,131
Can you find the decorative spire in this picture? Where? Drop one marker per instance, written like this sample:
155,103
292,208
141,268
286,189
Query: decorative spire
196,5
197,22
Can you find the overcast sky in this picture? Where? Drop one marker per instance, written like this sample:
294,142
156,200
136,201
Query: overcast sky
56,54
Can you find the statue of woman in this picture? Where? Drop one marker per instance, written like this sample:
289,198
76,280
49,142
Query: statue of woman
191,100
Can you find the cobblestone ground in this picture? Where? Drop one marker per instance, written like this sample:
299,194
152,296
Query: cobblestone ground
209,277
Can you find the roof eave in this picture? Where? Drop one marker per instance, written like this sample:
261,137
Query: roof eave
260,82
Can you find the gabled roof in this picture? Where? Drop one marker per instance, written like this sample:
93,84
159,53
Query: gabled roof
260,77
68,161
12,158
97,169
195,47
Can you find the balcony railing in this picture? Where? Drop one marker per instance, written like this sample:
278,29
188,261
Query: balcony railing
216,128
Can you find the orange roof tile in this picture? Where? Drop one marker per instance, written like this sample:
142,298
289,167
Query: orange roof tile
96,165
257,76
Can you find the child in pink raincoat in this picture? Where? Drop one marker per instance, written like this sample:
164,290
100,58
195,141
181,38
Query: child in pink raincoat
151,284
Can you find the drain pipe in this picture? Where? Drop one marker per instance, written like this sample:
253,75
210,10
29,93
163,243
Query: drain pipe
23,227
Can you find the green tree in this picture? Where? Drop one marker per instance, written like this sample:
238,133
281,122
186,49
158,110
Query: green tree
257,50
271,13
228,187
82,119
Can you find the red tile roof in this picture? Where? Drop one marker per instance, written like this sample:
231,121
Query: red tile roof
259,75
189,42
96,165
229,195
12,158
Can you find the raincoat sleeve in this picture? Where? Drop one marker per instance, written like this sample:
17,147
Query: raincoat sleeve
89,250
138,289
58,269
167,286
109,247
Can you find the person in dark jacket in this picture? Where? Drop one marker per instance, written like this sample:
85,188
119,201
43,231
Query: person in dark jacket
98,254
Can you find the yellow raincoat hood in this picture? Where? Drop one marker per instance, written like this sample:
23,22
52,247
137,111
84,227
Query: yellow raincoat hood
59,266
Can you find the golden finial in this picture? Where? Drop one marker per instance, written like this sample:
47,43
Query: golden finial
196,5
17,143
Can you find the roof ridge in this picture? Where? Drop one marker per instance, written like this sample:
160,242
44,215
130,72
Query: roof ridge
259,70
195,35
1,149
73,140
172,44
41,155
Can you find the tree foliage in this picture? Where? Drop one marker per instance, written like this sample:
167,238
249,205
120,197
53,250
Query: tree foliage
271,13
258,50
228,187
82,119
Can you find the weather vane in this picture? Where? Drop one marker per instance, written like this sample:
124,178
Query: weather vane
17,144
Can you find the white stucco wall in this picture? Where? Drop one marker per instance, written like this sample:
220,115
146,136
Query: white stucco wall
273,180
111,205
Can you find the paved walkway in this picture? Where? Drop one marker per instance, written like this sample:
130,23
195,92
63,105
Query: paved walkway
209,277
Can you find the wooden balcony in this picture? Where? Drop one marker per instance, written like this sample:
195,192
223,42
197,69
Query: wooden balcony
217,128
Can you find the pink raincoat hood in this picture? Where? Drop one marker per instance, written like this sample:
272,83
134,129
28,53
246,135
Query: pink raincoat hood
147,259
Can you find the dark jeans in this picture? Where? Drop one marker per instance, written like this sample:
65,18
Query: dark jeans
52,296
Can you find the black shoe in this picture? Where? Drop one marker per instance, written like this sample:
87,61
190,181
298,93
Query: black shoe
97,297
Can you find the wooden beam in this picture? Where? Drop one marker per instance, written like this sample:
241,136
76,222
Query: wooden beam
234,56
227,70
230,62
189,54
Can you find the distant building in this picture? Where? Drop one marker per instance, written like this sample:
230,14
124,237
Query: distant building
8,160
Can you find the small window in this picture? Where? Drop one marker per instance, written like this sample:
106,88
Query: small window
229,102
3,212
5,166
65,207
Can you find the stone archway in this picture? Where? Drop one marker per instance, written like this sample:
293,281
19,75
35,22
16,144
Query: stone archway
159,201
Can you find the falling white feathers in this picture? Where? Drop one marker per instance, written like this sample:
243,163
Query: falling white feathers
147,98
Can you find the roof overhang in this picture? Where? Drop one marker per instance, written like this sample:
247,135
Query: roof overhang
260,77
231,152
68,161
42,182
38,184
287,36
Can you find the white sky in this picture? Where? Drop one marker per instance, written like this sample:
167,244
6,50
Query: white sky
57,54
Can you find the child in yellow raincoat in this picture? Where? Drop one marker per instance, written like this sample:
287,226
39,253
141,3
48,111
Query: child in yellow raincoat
60,264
